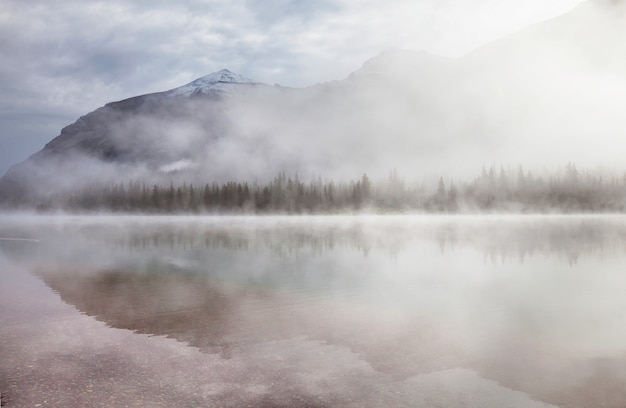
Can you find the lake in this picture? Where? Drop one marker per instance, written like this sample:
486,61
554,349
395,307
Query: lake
320,311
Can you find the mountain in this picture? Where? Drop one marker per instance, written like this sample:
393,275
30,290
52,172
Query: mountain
554,90
138,137
219,83
548,95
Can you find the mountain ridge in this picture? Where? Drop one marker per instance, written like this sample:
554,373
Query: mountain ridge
517,101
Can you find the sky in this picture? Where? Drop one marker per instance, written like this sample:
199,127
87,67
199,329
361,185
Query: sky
64,59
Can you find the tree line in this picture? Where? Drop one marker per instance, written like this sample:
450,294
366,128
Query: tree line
493,191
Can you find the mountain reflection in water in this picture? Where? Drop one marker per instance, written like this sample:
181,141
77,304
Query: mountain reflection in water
534,303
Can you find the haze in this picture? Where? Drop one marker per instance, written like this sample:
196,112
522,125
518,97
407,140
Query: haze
63,60
313,311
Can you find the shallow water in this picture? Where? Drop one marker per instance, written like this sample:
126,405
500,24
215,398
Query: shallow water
314,311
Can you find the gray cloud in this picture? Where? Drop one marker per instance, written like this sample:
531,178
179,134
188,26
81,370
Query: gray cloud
64,59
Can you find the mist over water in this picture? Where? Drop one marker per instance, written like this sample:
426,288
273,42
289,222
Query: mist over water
403,310
352,311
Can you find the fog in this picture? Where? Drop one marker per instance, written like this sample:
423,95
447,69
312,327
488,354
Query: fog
420,308
350,311
546,96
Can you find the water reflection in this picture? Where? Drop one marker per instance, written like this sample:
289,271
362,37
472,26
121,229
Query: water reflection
498,238
533,303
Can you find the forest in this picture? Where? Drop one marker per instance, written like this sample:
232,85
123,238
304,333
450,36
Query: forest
565,191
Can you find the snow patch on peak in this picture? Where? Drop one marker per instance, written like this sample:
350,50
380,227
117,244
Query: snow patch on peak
217,83
224,75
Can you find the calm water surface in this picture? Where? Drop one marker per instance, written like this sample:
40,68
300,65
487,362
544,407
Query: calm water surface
412,311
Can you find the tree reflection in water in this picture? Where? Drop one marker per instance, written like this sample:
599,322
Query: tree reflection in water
532,302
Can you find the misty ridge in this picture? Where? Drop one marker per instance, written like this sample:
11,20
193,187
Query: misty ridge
549,95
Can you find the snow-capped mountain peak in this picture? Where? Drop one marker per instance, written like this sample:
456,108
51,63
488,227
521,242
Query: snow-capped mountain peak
224,76
220,82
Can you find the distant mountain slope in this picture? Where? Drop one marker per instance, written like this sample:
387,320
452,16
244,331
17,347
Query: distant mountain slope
555,90
548,95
